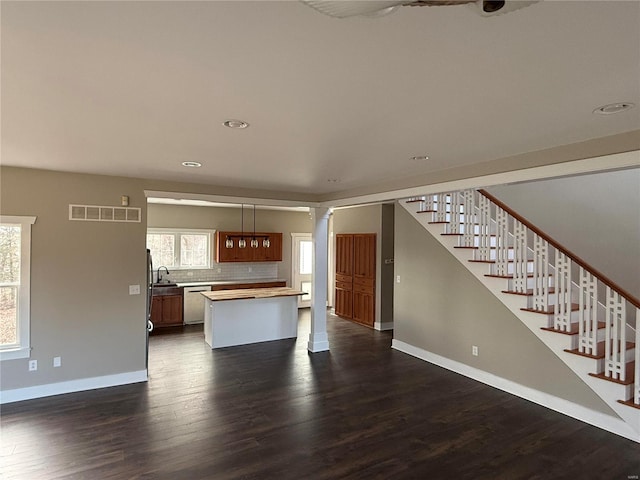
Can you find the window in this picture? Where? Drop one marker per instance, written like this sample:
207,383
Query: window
15,287
180,249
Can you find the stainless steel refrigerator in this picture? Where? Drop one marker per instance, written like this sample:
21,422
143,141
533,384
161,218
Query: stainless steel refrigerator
149,323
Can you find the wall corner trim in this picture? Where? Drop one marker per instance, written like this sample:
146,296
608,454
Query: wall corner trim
59,388
383,326
606,422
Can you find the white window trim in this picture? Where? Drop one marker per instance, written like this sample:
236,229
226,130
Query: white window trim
187,231
24,298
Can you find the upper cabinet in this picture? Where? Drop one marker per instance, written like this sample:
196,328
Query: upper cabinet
273,253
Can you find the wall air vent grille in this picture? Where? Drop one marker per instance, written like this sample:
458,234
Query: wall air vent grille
100,213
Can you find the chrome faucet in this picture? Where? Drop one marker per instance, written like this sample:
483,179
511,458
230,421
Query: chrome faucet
160,276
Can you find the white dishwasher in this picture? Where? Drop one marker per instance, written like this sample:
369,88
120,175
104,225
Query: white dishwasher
194,303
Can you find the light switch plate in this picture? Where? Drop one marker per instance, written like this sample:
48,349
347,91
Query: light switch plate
134,289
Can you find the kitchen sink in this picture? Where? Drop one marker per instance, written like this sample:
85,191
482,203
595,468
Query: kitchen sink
158,285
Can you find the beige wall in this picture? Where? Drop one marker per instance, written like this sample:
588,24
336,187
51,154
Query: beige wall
216,218
81,309
440,307
369,219
595,216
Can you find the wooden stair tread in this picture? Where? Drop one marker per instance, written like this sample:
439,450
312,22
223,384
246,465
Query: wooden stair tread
574,329
599,348
495,261
435,223
476,248
426,211
529,292
550,309
629,374
629,403
508,277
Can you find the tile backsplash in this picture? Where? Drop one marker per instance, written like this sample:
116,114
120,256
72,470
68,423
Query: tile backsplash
223,272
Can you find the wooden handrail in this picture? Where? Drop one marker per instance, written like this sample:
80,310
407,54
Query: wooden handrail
603,278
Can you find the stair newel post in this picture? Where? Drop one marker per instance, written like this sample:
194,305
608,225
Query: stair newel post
562,285
468,213
636,386
484,229
502,242
540,273
615,344
454,217
588,314
520,257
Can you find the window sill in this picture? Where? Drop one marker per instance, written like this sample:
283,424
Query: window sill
15,353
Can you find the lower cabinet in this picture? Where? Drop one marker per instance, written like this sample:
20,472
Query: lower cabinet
166,310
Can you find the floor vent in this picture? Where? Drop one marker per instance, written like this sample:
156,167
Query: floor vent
100,213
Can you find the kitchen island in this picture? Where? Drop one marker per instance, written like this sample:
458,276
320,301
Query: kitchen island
251,315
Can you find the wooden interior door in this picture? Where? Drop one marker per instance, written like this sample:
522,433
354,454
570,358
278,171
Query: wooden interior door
364,278
344,276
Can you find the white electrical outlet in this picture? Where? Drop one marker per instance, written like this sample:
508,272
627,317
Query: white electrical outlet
57,361
134,289
250,269
474,350
398,279
33,365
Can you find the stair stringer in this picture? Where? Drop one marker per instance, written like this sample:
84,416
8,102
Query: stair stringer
609,392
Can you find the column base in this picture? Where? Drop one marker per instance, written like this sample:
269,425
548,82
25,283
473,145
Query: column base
318,342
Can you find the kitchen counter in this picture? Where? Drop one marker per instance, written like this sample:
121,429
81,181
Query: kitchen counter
251,293
229,282
239,317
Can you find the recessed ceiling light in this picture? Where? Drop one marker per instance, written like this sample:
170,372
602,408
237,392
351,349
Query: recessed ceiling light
420,158
614,108
191,164
235,124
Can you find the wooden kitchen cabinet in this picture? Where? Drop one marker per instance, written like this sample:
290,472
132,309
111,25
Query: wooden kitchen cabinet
355,291
273,253
167,310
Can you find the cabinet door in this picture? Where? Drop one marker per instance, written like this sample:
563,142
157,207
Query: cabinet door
344,300
274,252
172,309
364,278
364,307
344,254
156,310
344,275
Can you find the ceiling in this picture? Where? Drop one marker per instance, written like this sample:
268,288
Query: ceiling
136,88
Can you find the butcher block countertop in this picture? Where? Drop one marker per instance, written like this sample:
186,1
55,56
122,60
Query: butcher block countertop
248,293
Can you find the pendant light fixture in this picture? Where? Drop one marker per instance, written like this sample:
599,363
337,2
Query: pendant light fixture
242,243
254,241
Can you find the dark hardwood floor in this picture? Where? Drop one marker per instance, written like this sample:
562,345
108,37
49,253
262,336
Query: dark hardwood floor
273,411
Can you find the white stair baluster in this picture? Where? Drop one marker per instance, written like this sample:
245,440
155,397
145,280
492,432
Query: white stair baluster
615,344
484,229
455,214
562,284
502,242
540,273
588,314
468,212
520,256
441,208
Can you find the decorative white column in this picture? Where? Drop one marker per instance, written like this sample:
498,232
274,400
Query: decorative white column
318,340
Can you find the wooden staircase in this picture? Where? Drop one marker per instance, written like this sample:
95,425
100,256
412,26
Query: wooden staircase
588,321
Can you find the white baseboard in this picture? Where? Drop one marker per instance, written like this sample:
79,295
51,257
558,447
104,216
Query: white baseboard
579,412
49,389
383,325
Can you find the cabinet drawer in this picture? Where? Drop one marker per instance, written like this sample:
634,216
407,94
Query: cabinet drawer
344,285
365,282
363,288
344,278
